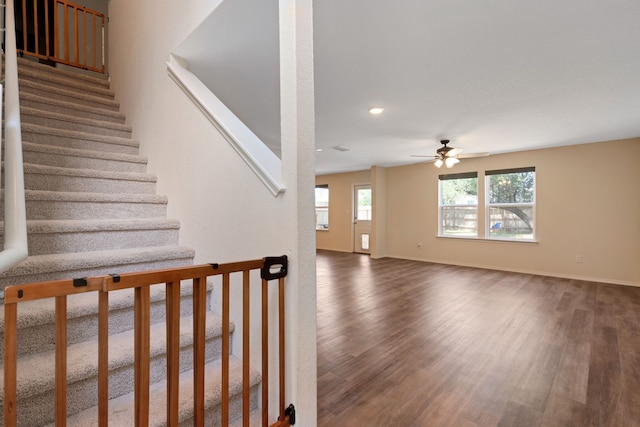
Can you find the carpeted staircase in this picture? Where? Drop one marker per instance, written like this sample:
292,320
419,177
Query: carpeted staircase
92,210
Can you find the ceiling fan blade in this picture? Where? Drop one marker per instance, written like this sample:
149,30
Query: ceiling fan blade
422,155
472,155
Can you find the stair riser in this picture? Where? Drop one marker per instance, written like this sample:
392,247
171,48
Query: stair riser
76,112
36,181
64,272
40,410
65,161
69,96
74,126
78,142
57,243
58,210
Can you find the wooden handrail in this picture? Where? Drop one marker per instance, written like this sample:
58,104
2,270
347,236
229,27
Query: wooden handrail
76,40
141,283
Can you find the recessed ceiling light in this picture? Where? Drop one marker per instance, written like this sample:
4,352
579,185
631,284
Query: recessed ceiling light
318,149
376,110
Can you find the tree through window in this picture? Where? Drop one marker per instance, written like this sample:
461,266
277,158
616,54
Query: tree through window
511,203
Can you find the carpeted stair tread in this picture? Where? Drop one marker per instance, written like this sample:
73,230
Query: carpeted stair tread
113,141
73,196
94,78
54,178
55,120
77,152
39,268
88,173
73,226
36,101
57,79
52,155
122,409
64,236
60,205
89,99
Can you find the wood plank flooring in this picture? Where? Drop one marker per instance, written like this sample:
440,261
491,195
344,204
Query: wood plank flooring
406,343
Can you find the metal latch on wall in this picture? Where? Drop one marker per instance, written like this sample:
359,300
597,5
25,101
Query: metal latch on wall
274,267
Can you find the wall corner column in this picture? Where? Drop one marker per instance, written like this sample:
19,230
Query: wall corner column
379,222
298,171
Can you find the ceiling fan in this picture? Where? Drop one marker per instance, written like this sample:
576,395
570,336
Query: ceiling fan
449,156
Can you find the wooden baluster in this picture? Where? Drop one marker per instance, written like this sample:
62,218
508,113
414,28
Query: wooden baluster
46,30
56,33
36,46
173,351
102,59
199,339
10,362
95,39
24,26
67,55
142,350
265,353
61,361
225,350
76,32
281,320
246,359
103,358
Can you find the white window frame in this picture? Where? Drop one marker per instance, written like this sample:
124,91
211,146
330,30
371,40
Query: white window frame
324,186
489,205
446,177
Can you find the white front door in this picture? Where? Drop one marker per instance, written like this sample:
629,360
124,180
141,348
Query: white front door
362,219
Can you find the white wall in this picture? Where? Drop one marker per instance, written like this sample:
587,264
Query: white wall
226,213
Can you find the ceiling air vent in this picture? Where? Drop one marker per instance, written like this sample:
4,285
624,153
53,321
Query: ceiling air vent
340,148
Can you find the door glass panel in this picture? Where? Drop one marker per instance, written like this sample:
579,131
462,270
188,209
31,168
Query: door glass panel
364,204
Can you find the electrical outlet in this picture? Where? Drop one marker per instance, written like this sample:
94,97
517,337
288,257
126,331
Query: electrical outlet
578,259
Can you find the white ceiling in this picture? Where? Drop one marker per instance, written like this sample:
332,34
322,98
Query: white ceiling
490,75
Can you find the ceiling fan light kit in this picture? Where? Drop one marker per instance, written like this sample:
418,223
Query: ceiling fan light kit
448,156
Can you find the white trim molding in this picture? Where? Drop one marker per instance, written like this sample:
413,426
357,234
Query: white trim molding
264,163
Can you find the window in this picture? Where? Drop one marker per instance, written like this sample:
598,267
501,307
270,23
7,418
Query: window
322,207
511,201
458,205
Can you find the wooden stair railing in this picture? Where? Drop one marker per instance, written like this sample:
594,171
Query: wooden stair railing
61,31
271,268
